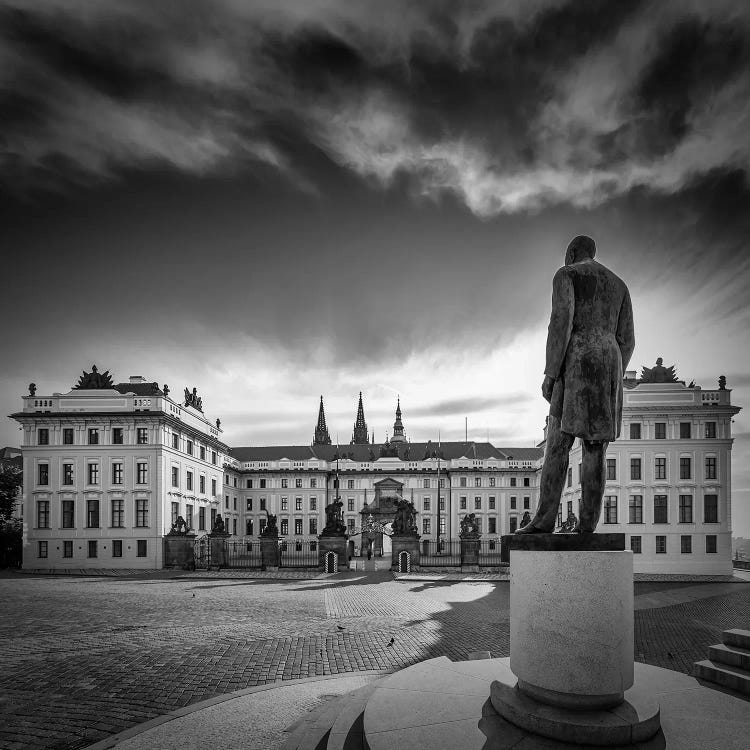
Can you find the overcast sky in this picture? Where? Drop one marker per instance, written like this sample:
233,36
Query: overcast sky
274,200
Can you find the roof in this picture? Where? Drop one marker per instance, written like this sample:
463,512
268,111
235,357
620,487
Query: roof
140,389
366,453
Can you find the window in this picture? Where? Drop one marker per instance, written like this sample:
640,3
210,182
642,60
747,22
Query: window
68,435
442,484
284,503
685,467
297,526
492,528
426,484
710,430
297,482
175,441
249,527
175,512
41,549
202,484
263,503
42,514
234,526
67,477
512,481
297,503
117,548
442,525
313,525
477,481
226,501
611,469
686,508
92,514
710,544
213,517
189,516
142,436
686,544
313,503
93,473
570,477
426,526
526,482
175,477
660,468
635,509
262,484
462,503
477,503
117,473
249,484
660,430
189,447
118,513
570,507
213,487
213,457
141,548
42,436
350,504
93,436
492,502
580,472
710,467
235,481
660,509
635,430
610,509
141,473
513,502
492,481
441,504
711,509
526,503
513,524
43,474
661,545
203,453
284,483
141,513
635,545
350,484
189,480
68,548
249,503
426,504
462,482
313,483
68,514
684,430
635,468
350,525
202,519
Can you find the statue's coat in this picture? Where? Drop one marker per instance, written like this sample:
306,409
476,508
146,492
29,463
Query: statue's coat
589,343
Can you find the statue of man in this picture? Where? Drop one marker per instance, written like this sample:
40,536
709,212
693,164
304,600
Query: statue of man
589,344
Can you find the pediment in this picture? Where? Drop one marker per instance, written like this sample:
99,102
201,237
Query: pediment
387,484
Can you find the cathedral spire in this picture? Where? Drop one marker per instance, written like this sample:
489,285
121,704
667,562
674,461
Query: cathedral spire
398,425
321,431
360,436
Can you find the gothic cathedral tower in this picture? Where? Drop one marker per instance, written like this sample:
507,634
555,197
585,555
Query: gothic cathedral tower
360,436
321,431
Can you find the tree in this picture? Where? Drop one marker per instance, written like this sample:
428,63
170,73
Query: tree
11,481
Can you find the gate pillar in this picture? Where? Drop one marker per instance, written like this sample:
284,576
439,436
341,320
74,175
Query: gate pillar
332,543
269,553
408,544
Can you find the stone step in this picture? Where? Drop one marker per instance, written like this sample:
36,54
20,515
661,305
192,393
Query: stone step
347,732
734,656
734,678
737,637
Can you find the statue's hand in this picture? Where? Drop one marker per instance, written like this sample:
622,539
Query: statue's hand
547,386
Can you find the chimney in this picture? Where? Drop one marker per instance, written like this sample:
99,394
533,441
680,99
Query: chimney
137,379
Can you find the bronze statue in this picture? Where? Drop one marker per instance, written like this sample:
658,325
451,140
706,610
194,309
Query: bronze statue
334,519
658,373
525,519
405,520
180,526
589,344
722,383
32,389
166,390
94,379
469,526
218,424
569,524
271,530
218,527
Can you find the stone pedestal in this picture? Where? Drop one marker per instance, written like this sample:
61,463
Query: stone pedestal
219,558
470,554
571,640
336,544
179,551
269,552
409,544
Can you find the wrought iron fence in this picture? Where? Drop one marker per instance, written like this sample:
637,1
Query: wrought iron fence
243,554
443,554
489,552
299,554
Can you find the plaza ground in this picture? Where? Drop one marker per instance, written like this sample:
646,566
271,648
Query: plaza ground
85,657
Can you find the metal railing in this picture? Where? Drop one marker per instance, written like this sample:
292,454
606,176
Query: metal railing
489,552
300,554
243,554
443,554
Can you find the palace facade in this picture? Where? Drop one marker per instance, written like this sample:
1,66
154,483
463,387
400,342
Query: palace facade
109,467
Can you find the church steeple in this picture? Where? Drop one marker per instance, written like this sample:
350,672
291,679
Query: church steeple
359,436
398,426
321,431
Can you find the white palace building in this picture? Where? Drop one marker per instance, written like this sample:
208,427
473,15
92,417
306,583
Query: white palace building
108,468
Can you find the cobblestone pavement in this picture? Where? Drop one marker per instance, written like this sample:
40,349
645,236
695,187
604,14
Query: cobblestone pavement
85,657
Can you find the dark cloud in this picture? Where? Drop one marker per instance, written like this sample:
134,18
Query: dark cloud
466,406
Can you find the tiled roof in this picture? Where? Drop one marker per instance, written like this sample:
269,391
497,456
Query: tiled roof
140,389
523,454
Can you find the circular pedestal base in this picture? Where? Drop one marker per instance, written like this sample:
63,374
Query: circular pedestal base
635,719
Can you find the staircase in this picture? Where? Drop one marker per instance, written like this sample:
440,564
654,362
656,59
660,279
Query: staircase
728,663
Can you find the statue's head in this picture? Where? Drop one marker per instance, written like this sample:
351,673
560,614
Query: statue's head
580,247
93,368
659,361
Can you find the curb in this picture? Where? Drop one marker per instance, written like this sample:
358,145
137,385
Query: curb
178,713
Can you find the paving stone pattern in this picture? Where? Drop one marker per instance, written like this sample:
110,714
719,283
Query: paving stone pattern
85,657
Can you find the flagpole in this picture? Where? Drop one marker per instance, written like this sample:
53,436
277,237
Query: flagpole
438,495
